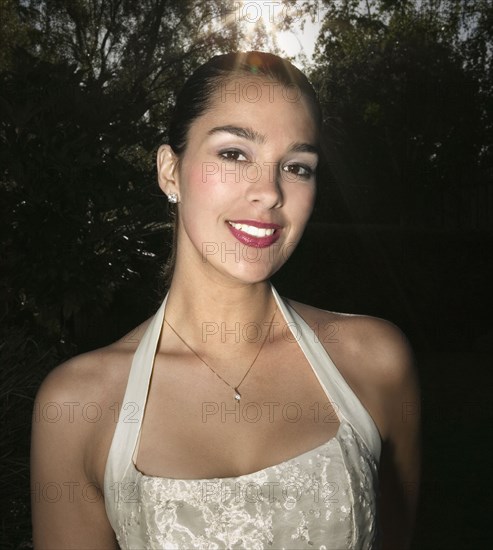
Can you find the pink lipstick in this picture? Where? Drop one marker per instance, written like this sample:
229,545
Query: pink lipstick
254,233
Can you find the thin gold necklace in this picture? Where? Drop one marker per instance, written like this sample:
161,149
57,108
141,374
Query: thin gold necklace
234,388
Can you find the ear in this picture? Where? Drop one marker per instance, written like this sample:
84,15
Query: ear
166,170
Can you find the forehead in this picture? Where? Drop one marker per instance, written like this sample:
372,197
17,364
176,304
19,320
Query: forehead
272,107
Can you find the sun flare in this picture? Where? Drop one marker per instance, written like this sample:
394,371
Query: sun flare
257,17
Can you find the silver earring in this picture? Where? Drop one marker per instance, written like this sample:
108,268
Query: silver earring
173,198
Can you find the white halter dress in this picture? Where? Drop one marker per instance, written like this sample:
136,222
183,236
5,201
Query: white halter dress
325,498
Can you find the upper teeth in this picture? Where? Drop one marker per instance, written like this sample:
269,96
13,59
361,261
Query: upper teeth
252,230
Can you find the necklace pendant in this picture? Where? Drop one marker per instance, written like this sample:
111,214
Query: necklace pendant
237,395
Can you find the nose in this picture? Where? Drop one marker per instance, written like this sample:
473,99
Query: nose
264,185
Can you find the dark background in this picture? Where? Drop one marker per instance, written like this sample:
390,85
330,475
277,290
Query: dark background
403,227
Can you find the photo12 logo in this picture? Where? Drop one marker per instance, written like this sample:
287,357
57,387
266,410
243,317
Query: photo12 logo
244,172
239,253
253,91
270,13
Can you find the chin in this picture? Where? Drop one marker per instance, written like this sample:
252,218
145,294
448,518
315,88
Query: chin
255,275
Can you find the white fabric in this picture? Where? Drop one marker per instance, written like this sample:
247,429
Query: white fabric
325,498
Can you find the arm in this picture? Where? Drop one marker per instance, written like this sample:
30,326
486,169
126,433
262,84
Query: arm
401,455
67,506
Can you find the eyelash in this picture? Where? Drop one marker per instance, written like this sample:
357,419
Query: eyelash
234,151
308,171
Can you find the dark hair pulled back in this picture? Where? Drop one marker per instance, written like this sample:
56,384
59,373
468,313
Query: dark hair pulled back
200,89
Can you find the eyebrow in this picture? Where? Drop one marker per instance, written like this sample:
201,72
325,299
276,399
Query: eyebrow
256,137
246,133
304,148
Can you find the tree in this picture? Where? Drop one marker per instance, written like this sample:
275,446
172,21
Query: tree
402,107
85,101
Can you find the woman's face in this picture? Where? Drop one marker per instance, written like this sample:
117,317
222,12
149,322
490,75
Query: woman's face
246,181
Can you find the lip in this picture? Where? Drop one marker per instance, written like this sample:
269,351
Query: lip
250,240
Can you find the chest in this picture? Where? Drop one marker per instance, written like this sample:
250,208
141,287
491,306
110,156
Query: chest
194,428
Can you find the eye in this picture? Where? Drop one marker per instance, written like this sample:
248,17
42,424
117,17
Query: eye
299,170
232,154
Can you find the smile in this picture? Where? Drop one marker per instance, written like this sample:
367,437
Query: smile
255,234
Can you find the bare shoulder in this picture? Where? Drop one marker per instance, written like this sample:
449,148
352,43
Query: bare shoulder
364,335
78,404
93,374
374,356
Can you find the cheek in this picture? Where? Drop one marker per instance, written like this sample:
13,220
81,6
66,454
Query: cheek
207,180
199,179
302,202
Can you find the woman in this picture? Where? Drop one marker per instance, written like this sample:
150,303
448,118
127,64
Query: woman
251,437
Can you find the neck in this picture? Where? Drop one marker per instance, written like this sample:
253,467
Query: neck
222,317
220,303
208,307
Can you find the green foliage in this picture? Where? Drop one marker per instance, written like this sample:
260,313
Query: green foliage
84,103
402,87
12,31
73,194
